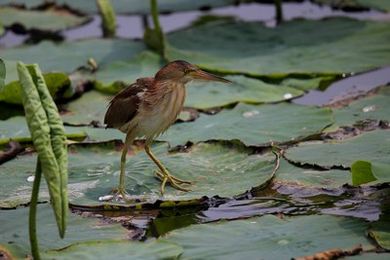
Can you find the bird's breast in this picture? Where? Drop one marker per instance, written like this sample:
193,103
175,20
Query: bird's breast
159,111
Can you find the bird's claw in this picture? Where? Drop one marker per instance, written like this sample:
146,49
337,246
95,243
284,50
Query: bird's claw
175,182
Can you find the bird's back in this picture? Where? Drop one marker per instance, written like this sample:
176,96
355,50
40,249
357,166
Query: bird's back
124,106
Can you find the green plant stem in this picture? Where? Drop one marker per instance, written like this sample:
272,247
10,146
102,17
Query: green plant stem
154,10
33,212
279,11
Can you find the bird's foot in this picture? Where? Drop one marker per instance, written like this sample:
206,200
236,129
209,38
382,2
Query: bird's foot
118,195
175,182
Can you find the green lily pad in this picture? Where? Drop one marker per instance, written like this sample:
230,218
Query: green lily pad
372,146
371,107
367,155
320,83
269,237
295,47
243,89
15,128
115,76
56,82
253,125
91,106
68,56
311,178
14,231
214,170
380,231
51,19
149,250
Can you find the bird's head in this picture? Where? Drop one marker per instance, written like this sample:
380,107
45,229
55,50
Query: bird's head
184,72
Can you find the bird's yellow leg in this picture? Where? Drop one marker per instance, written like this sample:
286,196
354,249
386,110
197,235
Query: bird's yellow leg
164,174
121,188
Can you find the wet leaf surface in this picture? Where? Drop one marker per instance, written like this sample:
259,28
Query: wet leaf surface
294,47
214,169
253,125
51,19
242,89
373,146
14,234
260,236
118,249
372,107
58,83
68,56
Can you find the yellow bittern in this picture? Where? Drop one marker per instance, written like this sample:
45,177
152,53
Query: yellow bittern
148,107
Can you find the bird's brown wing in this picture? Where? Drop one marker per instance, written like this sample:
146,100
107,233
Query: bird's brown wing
124,106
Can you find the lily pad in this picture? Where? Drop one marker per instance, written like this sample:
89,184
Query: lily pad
372,146
68,56
58,83
15,128
311,178
242,89
295,47
380,231
51,19
91,106
149,250
14,231
115,76
374,107
269,237
214,169
367,155
253,125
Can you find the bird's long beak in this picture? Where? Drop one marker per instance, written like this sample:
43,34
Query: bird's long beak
203,75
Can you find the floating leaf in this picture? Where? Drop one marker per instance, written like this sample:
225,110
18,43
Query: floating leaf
51,19
311,178
14,234
114,76
295,47
367,154
253,125
370,107
91,106
269,237
243,89
214,170
364,172
58,83
16,129
372,146
68,56
380,231
148,250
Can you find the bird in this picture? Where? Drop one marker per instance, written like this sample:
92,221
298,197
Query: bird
148,107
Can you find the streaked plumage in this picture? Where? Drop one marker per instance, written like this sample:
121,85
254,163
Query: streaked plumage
149,106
